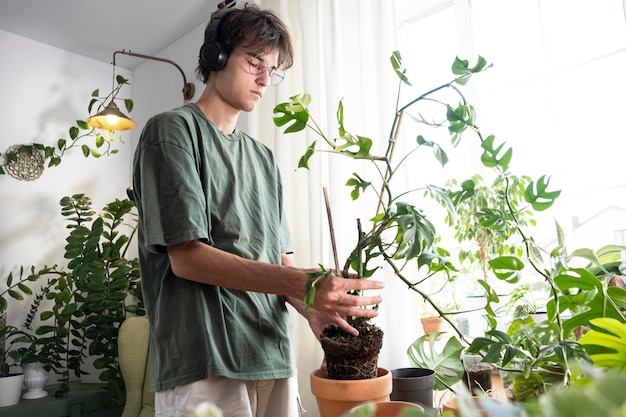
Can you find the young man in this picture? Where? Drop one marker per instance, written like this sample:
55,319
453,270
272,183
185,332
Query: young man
213,239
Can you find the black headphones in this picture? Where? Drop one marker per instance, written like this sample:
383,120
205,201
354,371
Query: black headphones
213,54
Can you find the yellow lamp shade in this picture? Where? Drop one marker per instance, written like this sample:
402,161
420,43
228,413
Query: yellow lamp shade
111,118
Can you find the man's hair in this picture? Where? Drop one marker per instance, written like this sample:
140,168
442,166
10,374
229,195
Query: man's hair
260,31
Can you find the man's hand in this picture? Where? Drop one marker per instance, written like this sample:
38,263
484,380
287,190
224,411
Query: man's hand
333,302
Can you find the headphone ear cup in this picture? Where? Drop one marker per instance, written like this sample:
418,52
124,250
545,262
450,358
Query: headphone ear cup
213,56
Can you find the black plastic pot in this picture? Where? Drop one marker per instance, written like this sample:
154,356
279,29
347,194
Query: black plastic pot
413,385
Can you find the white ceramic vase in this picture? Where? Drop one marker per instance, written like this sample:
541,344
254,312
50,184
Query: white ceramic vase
35,380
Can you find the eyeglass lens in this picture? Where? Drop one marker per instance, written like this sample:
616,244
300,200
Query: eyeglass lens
258,66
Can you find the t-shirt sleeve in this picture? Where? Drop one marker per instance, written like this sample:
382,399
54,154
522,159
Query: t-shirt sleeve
170,193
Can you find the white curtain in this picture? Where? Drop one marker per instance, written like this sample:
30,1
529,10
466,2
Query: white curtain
342,50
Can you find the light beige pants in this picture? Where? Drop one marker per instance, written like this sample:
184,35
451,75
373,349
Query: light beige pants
236,398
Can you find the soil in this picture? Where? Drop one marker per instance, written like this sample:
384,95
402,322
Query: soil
351,357
478,379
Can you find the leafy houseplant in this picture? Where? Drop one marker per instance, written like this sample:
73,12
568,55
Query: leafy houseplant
81,306
542,354
400,233
482,219
16,289
78,133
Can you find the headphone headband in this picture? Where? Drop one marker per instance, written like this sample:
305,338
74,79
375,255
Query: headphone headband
210,34
213,53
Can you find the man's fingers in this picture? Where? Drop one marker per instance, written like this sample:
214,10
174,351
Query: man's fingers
363,284
342,324
356,300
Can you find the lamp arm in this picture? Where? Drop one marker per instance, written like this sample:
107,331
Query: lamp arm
188,88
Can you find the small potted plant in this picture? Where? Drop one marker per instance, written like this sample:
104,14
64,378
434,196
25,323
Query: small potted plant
34,356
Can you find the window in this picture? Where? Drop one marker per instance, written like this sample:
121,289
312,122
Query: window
555,92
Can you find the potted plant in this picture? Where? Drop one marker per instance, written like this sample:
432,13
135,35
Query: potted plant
400,234
11,382
540,354
82,305
34,357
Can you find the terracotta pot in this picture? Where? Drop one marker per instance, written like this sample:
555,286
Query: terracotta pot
335,397
451,405
388,408
432,325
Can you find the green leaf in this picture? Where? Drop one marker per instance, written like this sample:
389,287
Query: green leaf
128,103
538,196
398,67
119,79
497,156
438,151
358,185
446,364
73,131
462,68
92,102
611,337
355,146
507,268
294,111
309,297
304,160
99,140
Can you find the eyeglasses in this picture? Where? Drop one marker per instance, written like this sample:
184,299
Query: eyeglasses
259,66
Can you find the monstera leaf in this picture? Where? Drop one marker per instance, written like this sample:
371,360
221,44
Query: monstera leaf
606,346
446,364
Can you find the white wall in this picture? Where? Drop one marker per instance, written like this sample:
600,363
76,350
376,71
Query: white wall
44,91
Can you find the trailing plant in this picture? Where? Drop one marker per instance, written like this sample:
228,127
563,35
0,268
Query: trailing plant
78,135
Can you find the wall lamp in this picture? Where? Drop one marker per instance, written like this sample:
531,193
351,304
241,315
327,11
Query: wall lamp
111,118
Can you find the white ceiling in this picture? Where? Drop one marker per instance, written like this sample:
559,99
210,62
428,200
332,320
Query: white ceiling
97,28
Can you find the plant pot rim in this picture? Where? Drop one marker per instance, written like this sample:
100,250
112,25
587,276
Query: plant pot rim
334,389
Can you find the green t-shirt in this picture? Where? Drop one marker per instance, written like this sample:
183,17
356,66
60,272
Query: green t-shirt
192,181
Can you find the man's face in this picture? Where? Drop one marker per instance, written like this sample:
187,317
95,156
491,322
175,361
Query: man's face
238,83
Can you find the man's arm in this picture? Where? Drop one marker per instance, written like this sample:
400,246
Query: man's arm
196,261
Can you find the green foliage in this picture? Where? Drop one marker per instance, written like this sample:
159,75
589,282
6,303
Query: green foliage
80,132
494,214
89,298
401,232
447,366
607,344
480,215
